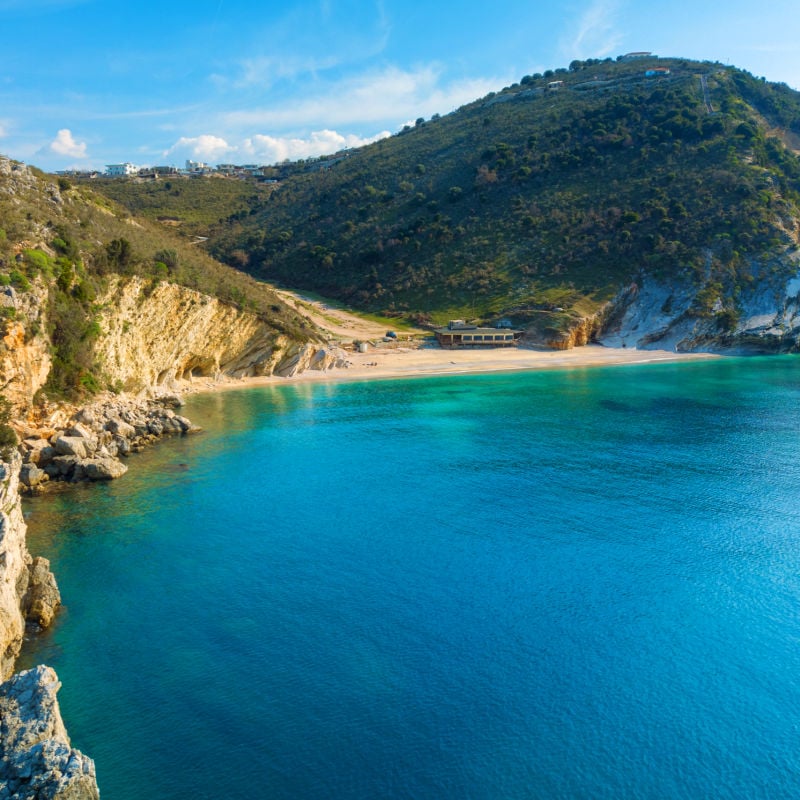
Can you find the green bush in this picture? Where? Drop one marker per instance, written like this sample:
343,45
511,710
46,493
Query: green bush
19,281
38,261
8,436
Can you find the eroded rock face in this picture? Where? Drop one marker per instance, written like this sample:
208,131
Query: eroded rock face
158,339
28,591
37,761
654,315
42,598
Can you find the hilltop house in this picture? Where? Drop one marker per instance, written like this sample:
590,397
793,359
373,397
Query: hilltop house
115,170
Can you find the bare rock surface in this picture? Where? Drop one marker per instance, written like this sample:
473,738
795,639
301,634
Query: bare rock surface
42,598
90,445
37,761
28,591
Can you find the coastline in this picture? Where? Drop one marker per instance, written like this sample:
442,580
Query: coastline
408,362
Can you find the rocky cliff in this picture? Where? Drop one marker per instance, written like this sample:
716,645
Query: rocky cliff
157,337
154,339
38,761
28,591
765,317
151,340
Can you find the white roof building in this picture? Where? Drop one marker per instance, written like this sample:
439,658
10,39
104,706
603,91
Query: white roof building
121,169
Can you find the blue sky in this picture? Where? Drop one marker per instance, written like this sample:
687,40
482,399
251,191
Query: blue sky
84,83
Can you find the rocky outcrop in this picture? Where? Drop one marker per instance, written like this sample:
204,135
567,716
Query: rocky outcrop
37,761
654,315
90,443
28,591
562,330
154,340
158,339
25,359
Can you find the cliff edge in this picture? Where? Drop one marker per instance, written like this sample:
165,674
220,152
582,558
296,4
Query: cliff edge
28,591
37,761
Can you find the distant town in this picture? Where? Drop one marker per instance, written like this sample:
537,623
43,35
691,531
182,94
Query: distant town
267,173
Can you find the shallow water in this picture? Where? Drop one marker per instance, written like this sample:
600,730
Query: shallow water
555,584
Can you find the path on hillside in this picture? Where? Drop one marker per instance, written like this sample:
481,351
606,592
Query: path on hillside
339,323
706,96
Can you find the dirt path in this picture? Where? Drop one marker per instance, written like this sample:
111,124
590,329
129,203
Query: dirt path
341,324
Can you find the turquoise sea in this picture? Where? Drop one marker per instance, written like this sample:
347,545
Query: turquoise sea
566,584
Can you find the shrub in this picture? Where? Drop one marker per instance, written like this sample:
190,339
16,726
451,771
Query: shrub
38,261
8,436
19,281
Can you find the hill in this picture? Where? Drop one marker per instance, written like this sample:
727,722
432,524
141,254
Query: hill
544,201
81,280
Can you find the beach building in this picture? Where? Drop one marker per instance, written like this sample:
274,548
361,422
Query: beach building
460,334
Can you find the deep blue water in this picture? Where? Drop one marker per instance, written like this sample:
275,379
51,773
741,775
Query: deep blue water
572,584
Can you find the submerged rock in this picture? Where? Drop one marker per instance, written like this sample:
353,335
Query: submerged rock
37,761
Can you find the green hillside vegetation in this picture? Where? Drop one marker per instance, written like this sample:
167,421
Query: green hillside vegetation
544,197
74,239
192,205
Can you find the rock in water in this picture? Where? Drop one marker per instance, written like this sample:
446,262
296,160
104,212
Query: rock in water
42,598
36,759
103,468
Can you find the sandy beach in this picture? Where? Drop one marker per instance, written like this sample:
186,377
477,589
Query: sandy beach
410,362
412,356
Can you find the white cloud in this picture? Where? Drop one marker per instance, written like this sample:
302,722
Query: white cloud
264,71
266,149
65,145
390,95
595,33
3,131
206,147
272,149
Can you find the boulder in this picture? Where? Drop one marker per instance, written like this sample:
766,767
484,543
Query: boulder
36,758
61,467
71,446
80,431
46,455
185,423
34,448
31,475
121,428
155,428
42,597
86,416
103,468
171,400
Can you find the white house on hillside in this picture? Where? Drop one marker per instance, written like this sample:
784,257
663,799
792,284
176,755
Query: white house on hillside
115,170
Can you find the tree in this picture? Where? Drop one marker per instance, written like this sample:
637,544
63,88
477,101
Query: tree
119,253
